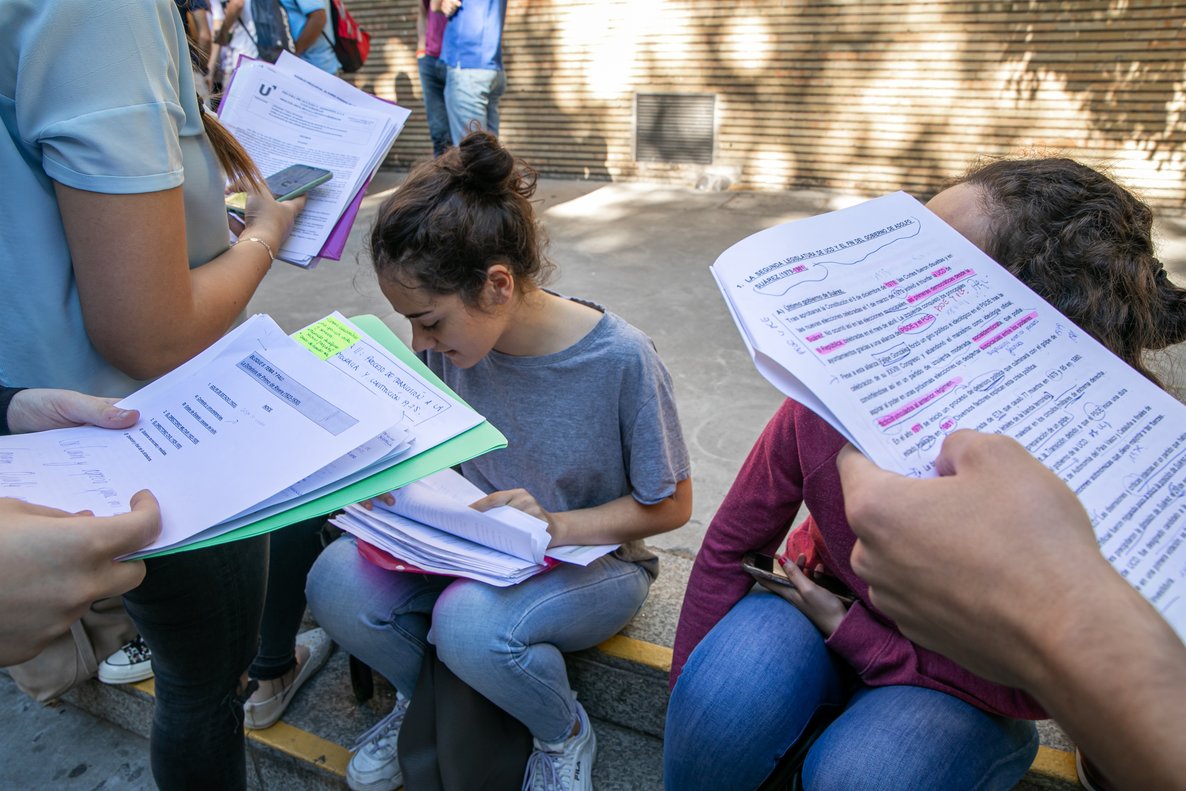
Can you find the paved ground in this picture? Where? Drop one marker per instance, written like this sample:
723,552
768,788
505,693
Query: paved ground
641,250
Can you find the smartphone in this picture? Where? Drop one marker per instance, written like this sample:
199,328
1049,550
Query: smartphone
296,180
762,566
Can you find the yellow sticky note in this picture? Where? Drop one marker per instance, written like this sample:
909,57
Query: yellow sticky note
327,337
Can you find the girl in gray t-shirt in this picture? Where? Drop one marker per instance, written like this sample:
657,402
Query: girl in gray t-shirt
594,449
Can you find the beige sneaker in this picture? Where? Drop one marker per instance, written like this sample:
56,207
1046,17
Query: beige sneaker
266,705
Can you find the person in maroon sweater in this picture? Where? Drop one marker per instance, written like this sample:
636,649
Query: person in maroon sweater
832,692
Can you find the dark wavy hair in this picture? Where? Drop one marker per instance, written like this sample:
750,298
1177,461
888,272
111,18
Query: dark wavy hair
456,216
1085,245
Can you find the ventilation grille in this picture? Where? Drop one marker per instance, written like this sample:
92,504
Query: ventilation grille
674,127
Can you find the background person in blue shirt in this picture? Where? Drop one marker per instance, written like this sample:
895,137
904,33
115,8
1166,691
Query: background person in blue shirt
312,35
472,51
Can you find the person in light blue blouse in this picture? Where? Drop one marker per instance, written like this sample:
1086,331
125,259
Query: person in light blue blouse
115,255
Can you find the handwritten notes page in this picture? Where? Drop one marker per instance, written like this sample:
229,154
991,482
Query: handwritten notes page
898,331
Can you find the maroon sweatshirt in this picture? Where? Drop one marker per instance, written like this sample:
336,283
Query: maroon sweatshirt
794,462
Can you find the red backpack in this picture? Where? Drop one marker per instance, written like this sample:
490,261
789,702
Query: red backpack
352,44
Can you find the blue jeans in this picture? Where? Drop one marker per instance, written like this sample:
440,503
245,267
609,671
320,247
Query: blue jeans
506,643
472,97
750,688
433,73
199,612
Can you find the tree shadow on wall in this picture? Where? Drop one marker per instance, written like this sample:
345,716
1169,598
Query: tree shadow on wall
1128,98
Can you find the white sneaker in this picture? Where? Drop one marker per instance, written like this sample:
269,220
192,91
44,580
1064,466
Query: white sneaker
131,663
566,765
375,765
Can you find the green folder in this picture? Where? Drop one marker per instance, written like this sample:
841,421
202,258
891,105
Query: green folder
480,439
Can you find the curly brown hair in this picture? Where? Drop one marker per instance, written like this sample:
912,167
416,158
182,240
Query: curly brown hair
456,216
1084,244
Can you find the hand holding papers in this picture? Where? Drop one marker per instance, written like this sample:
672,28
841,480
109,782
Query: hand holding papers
432,528
898,331
253,428
290,112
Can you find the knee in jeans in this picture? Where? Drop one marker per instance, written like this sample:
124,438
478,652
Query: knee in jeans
463,640
335,563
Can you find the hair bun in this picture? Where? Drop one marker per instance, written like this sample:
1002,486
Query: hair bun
485,165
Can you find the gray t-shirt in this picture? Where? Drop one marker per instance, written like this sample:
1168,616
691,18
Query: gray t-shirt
584,426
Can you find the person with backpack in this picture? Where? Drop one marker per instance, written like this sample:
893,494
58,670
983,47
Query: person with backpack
312,34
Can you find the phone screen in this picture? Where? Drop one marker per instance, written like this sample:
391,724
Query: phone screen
296,180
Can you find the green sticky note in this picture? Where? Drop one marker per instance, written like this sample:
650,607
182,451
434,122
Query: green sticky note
327,337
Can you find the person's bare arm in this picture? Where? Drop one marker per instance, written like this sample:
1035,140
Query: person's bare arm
230,16
618,521
145,311
202,36
314,24
995,565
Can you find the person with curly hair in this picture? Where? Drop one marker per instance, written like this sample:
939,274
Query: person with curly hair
832,691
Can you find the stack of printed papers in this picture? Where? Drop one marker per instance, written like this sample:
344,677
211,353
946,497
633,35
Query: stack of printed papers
258,431
432,529
292,112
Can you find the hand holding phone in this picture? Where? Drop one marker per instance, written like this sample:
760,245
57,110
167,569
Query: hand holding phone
762,566
296,180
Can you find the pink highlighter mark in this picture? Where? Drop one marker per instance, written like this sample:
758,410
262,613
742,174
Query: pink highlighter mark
941,286
1012,328
916,324
890,284
917,404
941,271
986,330
815,336
917,427
831,347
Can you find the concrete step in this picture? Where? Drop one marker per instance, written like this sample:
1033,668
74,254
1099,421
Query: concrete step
622,684
308,749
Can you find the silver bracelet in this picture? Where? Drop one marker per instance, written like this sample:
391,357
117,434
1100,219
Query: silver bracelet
268,247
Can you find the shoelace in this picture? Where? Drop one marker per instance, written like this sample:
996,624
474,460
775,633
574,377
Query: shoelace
541,767
137,650
380,729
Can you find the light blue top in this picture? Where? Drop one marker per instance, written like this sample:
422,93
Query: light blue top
99,97
473,36
321,52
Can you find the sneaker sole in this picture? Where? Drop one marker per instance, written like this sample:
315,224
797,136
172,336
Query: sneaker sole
124,676
374,785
